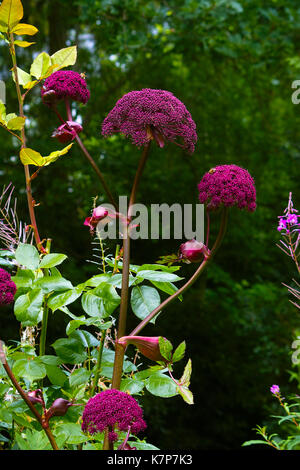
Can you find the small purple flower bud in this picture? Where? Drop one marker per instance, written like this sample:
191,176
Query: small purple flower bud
275,389
36,396
58,408
67,132
193,251
147,345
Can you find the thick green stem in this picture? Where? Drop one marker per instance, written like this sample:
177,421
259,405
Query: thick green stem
190,282
44,329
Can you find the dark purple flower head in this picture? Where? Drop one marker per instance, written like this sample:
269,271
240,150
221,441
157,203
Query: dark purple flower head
65,84
193,251
151,114
115,409
4,275
67,131
229,185
7,292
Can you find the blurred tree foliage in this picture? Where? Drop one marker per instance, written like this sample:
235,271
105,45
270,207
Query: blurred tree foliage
232,63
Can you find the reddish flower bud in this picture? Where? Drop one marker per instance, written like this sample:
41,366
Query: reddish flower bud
36,396
67,131
99,213
147,345
193,251
58,408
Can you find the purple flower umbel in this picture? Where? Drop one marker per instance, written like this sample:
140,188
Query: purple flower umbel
65,84
229,185
151,114
115,409
7,292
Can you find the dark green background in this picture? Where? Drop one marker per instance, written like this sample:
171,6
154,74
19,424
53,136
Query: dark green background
232,64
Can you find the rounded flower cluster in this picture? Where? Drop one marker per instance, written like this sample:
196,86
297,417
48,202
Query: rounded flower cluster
115,409
151,114
65,84
7,288
229,185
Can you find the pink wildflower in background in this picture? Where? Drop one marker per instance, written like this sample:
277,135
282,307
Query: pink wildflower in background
275,389
228,185
151,114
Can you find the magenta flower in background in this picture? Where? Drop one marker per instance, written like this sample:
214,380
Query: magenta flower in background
115,409
65,84
275,389
228,185
67,132
292,219
282,224
151,114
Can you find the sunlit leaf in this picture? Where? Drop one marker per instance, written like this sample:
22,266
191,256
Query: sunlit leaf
23,28
23,43
31,157
16,123
11,12
64,57
23,76
40,65
54,155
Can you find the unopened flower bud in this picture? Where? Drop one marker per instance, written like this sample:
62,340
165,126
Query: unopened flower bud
67,131
99,213
36,396
147,345
58,408
193,251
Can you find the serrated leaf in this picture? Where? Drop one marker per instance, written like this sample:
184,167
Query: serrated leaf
79,376
28,307
11,12
64,57
40,65
179,352
165,348
186,395
24,29
186,377
161,385
56,154
70,350
30,369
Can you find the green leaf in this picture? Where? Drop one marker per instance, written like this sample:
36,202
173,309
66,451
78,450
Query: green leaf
73,433
167,287
165,348
179,352
254,441
24,29
85,338
101,302
132,386
161,385
79,376
11,12
55,155
56,301
186,394
144,299
56,375
186,377
23,278
28,307
40,65
16,123
64,57
159,276
30,369
27,255
51,260
53,283
70,350
29,156
23,76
